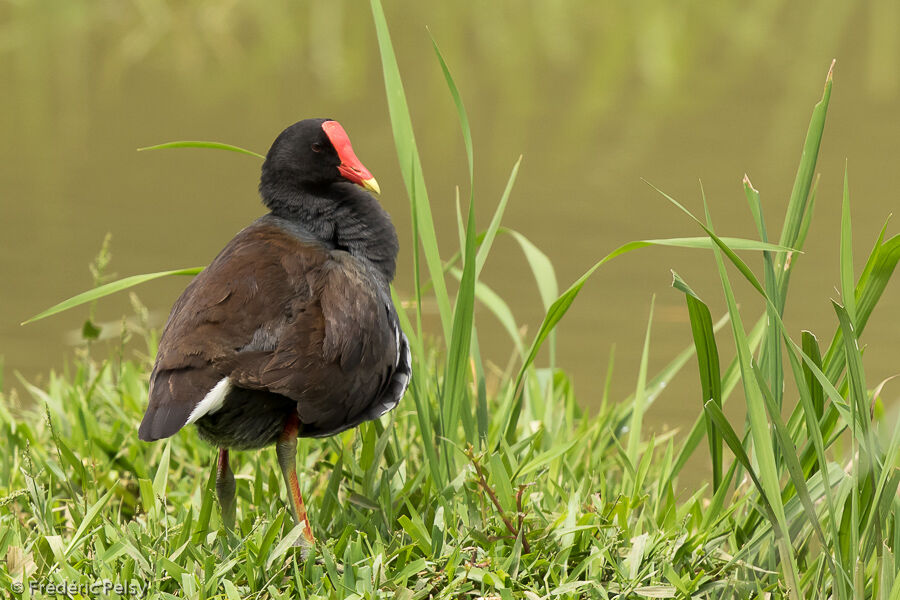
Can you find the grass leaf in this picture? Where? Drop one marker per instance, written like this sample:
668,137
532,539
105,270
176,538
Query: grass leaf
200,144
107,289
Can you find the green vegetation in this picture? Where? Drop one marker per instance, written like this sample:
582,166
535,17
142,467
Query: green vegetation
506,489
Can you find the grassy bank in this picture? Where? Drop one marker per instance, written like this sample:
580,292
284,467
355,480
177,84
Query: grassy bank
499,486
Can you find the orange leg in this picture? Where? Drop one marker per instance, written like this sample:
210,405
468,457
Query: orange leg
286,449
225,489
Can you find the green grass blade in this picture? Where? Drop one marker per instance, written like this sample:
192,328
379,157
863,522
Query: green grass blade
808,386
106,290
729,381
460,111
499,308
876,274
870,457
788,263
541,268
162,472
759,427
720,422
411,166
810,347
708,365
453,395
848,289
770,358
89,518
637,412
721,243
485,247
662,379
792,461
201,144
805,172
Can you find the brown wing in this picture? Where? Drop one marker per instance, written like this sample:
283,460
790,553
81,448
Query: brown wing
280,312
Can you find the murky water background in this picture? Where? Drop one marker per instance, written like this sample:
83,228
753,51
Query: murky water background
595,96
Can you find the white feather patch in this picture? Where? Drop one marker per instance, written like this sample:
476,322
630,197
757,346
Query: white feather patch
212,402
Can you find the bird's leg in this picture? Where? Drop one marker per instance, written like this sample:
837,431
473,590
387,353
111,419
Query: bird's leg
225,489
286,449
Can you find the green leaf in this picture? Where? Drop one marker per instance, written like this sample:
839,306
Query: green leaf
541,268
460,110
89,517
791,460
848,289
202,144
162,471
411,165
639,404
708,364
494,226
285,544
106,290
417,531
803,181
810,346
460,342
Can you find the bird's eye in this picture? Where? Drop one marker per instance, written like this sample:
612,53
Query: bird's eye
316,147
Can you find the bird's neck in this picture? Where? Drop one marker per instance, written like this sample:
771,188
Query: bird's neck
343,216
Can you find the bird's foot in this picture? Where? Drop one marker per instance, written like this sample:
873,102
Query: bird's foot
306,543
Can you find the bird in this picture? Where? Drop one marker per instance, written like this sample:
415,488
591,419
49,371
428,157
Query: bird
290,331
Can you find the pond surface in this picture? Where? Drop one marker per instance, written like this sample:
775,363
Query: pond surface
596,97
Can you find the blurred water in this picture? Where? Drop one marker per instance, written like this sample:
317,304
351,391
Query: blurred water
595,96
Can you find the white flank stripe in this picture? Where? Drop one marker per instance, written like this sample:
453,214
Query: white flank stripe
397,343
212,402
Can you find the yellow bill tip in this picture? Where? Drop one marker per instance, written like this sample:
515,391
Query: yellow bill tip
371,185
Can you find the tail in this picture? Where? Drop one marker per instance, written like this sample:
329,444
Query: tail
174,394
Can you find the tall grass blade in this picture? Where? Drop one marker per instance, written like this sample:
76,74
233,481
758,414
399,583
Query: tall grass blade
729,381
460,342
411,166
720,422
202,144
770,358
869,459
848,289
708,365
464,311
810,347
759,428
876,274
637,412
816,462
541,268
460,111
499,308
797,204
545,277
494,225
107,289
792,461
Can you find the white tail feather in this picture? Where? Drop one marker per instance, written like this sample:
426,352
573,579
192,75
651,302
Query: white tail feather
212,402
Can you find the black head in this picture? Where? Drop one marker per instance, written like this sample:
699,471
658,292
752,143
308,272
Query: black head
309,156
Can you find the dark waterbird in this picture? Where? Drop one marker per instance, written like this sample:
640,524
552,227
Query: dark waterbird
290,331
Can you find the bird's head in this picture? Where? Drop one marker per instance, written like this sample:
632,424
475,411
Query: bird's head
314,153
